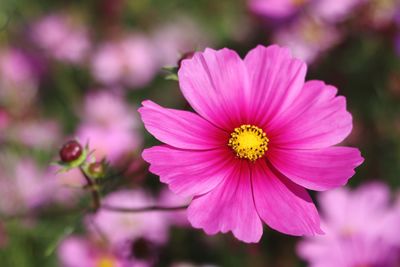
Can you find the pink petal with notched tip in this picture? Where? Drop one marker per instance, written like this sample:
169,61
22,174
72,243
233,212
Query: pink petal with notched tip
320,169
283,205
316,119
276,80
229,207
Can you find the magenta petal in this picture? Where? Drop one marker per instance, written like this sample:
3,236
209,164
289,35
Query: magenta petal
189,172
215,83
229,207
320,169
317,119
181,129
276,80
283,205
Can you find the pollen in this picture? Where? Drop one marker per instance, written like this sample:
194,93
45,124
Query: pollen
248,142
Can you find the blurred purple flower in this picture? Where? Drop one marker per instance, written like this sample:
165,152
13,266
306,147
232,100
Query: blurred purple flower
361,229
308,38
131,61
120,227
62,38
109,125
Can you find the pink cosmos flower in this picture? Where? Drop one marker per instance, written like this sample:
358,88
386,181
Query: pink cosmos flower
361,229
61,38
262,136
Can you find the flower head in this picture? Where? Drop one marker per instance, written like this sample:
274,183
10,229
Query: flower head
111,132
119,227
130,61
262,136
277,9
60,37
361,229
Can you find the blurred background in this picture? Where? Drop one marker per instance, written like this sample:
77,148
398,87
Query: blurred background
80,69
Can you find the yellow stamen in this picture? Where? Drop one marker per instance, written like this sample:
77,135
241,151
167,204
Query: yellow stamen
248,142
105,261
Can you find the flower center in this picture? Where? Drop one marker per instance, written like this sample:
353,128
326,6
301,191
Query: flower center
248,142
105,261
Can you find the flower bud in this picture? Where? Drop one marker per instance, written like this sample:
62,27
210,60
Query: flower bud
71,151
72,155
97,169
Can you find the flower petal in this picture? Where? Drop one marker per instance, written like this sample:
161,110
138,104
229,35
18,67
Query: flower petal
181,129
283,205
276,80
320,169
316,119
229,207
190,172
215,84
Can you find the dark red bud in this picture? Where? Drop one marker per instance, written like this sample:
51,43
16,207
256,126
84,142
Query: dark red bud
187,55
71,151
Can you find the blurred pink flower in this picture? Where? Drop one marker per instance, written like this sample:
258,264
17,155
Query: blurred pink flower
24,186
334,10
174,39
119,227
263,135
5,121
62,38
77,251
109,125
169,199
131,61
39,134
381,13
361,229
308,38
276,9
18,79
